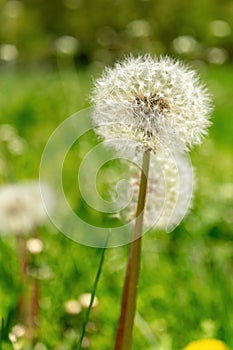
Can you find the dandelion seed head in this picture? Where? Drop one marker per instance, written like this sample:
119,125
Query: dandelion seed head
21,206
169,192
151,100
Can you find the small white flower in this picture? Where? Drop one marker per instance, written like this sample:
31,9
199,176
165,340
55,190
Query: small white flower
21,206
152,101
169,192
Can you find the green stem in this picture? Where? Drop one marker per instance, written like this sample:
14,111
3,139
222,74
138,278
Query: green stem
124,334
92,299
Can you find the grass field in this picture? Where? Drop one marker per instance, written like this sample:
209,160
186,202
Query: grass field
186,285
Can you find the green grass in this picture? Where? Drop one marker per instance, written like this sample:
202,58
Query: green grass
186,286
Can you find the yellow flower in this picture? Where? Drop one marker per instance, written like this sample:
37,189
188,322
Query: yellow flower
207,344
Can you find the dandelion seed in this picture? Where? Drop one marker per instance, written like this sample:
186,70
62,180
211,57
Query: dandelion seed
151,101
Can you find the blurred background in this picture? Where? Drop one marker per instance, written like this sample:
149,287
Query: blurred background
34,33
50,53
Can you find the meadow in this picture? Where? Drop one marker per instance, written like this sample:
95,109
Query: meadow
186,285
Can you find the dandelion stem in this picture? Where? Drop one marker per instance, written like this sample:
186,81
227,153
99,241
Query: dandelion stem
23,264
34,296
34,304
129,297
23,259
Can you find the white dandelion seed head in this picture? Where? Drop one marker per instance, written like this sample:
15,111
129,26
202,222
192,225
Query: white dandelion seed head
21,206
151,101
169,192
